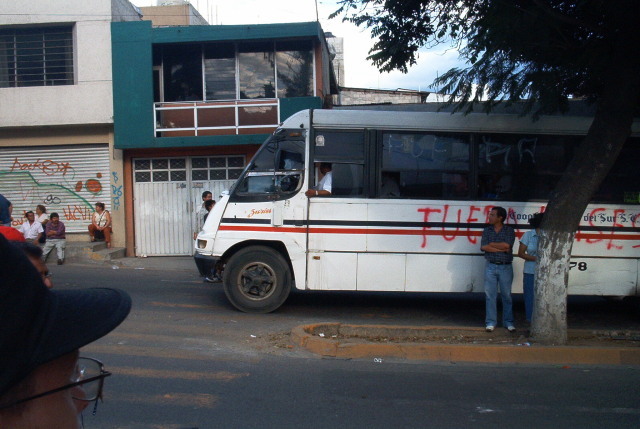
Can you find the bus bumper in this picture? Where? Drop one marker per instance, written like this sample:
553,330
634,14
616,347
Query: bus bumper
205,263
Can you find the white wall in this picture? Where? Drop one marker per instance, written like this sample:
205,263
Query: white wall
90,100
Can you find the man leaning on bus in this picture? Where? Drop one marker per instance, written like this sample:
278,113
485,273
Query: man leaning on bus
497,244
324,186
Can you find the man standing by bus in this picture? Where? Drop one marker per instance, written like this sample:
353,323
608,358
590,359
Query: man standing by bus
497,244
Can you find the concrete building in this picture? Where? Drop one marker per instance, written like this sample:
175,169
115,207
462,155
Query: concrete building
56,110
192,104
172,13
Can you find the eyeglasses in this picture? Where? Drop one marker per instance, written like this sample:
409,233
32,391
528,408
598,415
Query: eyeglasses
89,374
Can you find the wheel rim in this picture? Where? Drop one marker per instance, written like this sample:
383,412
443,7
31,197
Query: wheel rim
257,281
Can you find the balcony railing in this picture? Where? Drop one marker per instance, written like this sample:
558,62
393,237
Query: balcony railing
216,118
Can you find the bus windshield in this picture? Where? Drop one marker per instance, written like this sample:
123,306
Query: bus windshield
277,169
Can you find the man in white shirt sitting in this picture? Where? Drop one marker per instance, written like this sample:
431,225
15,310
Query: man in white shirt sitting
324,186
31,229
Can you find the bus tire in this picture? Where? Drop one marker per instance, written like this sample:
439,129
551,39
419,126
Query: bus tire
257,279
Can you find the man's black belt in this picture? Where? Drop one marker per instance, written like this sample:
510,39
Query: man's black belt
500,263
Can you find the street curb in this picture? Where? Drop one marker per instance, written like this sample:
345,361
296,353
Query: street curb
356,346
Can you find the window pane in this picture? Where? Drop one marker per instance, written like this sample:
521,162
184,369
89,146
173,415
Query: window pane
178,176
143,176
234,173
160,164
218,174
295,70
347,179
334,146
199,175
425,165
425,152
182,65
521,168
236,161
217,162
178,163
257,70
36,56
199,162
160,176
220,71
142,164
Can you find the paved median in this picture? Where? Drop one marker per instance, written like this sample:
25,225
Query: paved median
466,344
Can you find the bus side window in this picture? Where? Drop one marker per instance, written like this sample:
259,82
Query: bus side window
345,150
347,180
424,165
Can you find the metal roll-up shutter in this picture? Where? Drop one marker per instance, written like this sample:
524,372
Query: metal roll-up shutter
67,180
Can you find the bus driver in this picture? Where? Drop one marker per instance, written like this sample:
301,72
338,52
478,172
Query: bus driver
324,186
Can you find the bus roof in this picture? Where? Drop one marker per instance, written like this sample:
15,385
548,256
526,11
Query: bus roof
444,122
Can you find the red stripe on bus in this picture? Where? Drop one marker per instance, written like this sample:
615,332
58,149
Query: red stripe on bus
448,233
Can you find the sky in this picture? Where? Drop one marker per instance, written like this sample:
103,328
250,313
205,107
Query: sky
359,72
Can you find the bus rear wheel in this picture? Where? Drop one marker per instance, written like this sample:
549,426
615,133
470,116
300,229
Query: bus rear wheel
257,279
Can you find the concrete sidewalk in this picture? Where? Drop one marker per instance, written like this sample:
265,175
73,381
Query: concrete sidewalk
97,253
446,343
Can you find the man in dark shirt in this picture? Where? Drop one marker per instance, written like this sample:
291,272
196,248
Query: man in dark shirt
56,237
497,244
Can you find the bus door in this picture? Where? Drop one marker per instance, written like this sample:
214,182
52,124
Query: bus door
337,224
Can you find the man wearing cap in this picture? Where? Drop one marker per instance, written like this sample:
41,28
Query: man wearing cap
43,381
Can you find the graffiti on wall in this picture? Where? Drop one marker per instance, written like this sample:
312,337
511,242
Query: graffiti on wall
62,187
116,191
610,228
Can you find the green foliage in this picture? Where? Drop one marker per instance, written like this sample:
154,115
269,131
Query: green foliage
541,51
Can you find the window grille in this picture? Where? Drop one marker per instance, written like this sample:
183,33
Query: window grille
36,56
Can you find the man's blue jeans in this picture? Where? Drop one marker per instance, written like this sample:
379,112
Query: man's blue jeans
528,281
498,276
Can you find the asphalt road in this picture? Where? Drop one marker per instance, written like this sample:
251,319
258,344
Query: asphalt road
186,359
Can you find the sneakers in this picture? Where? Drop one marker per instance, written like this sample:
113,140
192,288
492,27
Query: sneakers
511,328
215,278
490,328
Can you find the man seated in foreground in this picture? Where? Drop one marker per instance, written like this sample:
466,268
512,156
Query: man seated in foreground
43,381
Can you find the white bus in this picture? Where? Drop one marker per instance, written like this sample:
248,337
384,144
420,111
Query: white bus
410,197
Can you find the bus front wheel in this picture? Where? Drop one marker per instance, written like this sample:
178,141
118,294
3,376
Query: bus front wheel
257,280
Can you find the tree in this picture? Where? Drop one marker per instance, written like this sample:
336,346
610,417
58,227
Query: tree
542,52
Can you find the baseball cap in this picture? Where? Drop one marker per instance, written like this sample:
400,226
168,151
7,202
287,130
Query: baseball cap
41,324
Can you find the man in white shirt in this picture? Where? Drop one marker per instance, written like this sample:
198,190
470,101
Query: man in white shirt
206,195
324,186
31,229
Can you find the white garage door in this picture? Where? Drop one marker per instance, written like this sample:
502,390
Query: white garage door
167,194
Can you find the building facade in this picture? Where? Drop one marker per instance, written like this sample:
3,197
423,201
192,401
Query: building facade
192,104
56,110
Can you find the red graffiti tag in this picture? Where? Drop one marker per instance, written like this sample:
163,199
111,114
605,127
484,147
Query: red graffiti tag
76,213
48,167
427,212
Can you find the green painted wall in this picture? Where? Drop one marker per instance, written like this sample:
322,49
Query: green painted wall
132,84
289,106
133,79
